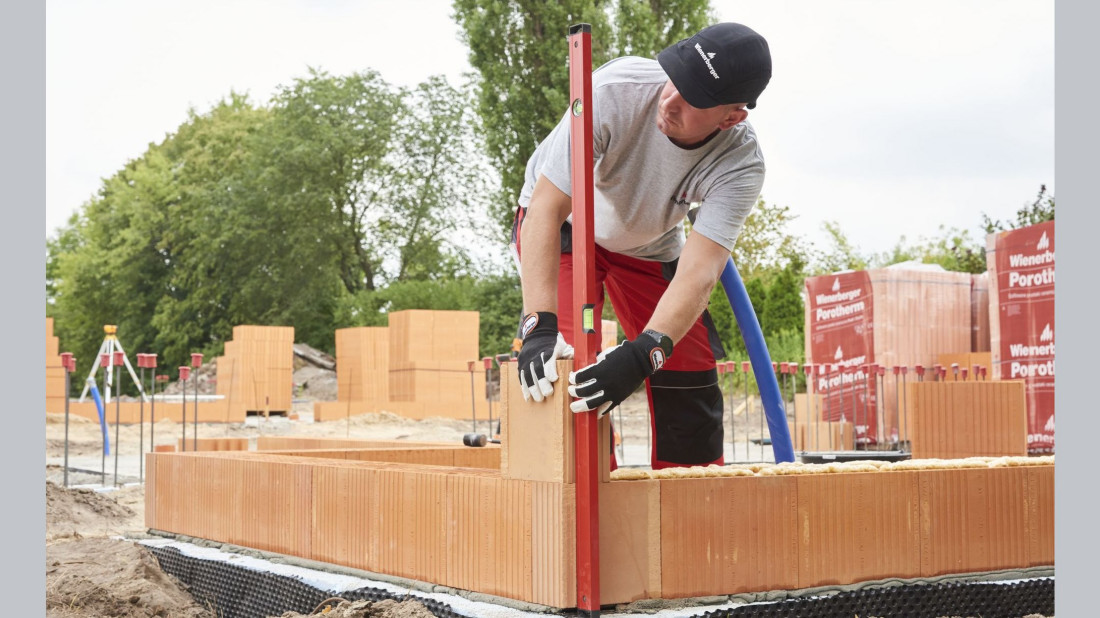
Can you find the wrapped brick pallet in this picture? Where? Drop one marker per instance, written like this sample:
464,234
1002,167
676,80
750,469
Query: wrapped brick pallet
904,314
1021,318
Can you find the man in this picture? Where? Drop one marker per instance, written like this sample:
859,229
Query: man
667,133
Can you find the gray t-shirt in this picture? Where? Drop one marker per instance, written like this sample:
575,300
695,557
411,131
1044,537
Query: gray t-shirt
644,184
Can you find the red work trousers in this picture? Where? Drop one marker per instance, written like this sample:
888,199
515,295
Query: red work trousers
685,401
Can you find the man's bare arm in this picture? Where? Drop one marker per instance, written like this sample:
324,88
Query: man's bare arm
540,246
701,263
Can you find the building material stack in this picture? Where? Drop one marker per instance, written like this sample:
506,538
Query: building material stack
363,366
955,419
905,314
1021,317
255,375
429,374
55,372
418,367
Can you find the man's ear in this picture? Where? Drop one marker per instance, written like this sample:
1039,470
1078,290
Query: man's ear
735,116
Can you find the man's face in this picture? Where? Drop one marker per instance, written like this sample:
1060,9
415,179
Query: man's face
686,125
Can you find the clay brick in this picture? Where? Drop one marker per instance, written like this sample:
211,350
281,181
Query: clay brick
538,440
215,444
973,520
857,527
554,544
949,420
630,541
728,534
1040,515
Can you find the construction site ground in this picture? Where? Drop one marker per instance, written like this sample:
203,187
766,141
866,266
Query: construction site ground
94,567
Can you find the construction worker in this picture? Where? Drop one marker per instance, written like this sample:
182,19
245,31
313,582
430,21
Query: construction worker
668,134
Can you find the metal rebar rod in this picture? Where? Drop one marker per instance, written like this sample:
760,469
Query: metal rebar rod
195,412
811,396
473,398
141,425
745,374
68,385
762,415
106,438
733,424
881,414
843,417
118,399
730,368
828,403
153,411
489,394
183,408
903,436
868,371
794,401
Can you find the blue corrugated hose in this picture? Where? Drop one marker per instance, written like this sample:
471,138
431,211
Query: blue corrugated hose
761,362
102,420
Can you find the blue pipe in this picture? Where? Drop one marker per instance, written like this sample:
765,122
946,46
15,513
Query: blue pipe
102,419
761,362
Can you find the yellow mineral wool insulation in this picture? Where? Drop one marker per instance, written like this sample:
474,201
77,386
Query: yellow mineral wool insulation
787,468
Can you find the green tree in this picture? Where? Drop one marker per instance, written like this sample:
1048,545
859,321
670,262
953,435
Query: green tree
323,167
765,249
765,246
725,322
782,307
953,249
1039,210
439,183
110,266
519,51
270,215
840,255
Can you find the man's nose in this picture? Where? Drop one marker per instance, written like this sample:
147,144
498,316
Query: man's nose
673,102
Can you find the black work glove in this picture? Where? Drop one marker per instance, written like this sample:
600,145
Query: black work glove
543,345
617,372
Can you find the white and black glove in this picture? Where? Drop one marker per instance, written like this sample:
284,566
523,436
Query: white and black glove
543,345
618,371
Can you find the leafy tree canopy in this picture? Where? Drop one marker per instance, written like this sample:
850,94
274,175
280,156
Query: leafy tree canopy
274,214
519,51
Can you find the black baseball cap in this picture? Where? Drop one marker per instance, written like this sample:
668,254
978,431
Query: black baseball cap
722,64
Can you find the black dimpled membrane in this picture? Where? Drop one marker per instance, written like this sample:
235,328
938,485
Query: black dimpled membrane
233,591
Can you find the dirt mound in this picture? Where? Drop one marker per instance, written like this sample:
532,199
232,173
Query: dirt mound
75,512
105,577
339,608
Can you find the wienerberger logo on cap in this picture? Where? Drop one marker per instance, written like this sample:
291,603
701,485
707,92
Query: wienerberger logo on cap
706,59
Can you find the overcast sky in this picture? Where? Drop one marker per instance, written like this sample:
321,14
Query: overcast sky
890,118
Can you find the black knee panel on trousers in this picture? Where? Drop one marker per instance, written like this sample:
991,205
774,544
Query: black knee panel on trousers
687,415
